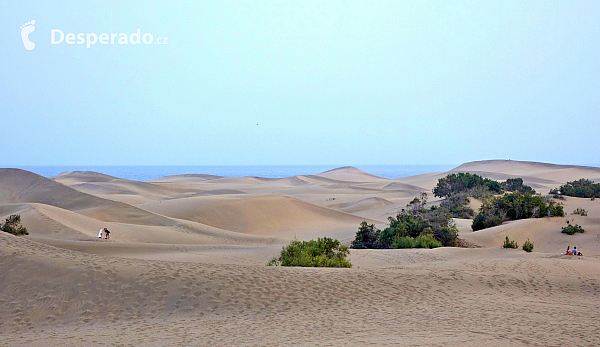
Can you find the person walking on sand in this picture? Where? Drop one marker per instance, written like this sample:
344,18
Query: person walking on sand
100,233
107,233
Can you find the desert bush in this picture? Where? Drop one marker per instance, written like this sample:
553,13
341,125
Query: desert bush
12,225
461,182
487,218
580,211
367,236
324,252
477,186
572,229
582,188
528,246
448,235
410,222
456,205
508,243
514,206
421,241
516,184
404,242
427,241
404,224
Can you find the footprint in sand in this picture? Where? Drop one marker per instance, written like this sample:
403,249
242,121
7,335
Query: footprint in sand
27,29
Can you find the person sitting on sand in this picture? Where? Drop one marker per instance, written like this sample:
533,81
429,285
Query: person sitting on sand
100,233
574,250
107,232
568,252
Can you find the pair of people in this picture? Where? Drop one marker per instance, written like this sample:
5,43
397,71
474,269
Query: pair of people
106,233
573,252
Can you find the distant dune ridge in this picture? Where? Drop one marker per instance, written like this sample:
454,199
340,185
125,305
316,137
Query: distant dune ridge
186,264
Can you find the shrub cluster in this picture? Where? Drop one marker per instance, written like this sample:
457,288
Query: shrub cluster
455,189
477,186
462,182
12,225
528,246
415,226
513,206
572,229
421,241
456,204
324,252
582,188
516,185
367,236
508,243
580,211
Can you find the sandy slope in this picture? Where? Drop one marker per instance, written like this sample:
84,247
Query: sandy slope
462,297
19,186
185,265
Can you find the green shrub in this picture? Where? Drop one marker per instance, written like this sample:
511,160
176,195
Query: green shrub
421,241
411,222
324,252
508,243
404,242
427,241
580,211
582,188
477,186
572,229
516,184
12,225
367,236
513,206
456,204
461,182
528,246
404,224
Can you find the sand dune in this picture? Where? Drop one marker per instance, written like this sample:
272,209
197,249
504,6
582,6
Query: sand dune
261,215
122,190
19,186
364,204
351,174
186,264
538,175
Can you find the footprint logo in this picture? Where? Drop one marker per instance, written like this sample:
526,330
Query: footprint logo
27,29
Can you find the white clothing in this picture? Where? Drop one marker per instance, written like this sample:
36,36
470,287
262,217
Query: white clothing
100,233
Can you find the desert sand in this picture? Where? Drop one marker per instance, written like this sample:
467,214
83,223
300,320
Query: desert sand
186,264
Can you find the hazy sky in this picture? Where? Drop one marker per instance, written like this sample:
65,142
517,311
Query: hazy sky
307,82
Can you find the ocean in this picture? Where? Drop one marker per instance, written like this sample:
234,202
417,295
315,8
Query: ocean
145,173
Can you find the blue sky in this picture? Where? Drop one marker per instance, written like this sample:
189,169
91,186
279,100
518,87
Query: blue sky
302,83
